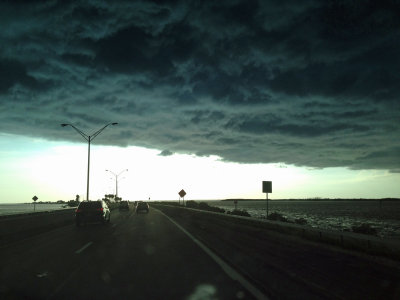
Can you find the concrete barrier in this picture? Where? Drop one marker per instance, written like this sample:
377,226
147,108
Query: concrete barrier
14,227
347,240
19,226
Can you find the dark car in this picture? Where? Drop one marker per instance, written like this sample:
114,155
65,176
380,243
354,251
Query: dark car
124,205
92,211
142,206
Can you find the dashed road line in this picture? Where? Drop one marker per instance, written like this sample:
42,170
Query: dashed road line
232,273
83,248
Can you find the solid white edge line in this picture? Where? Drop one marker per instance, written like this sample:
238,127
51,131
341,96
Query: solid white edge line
232,273
83,248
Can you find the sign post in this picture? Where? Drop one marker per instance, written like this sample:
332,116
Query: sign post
182,194
267,188
34,203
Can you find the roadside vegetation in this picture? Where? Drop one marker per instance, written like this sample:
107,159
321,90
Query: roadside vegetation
238,212
300,221
204,206
277,217
281,218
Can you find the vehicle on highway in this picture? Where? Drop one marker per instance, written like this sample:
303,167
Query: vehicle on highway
124,205
92,211
142,206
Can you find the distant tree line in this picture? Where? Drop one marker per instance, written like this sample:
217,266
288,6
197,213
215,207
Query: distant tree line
108,198
111,198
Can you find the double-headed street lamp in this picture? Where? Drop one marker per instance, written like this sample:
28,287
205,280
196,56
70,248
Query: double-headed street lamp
89,138
116,180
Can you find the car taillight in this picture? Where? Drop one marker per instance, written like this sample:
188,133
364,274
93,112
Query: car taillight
100,209
78,210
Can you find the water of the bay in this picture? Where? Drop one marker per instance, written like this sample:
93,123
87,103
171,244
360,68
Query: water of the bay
21,208
340,215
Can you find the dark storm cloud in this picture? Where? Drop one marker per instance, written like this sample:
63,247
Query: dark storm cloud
12,72
265,125
308,83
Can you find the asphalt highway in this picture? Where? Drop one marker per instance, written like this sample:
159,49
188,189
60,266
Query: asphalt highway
136,256
182,254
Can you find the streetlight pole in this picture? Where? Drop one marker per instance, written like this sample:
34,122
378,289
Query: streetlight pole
116,180
88,168
88,138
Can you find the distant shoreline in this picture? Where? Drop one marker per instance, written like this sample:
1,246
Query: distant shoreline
317,199
235,199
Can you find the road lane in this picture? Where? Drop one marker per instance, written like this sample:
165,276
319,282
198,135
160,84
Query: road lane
137,256
230,271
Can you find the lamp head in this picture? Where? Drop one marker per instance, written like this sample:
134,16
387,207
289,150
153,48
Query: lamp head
63,125
115,123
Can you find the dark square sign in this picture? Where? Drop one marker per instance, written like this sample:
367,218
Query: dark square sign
267,186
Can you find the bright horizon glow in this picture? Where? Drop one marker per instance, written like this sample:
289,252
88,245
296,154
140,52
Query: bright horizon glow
57,171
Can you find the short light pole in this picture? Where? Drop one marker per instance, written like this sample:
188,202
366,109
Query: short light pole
88,138
116,180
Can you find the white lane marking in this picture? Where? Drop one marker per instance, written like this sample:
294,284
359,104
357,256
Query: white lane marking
44,274
83,248
232,273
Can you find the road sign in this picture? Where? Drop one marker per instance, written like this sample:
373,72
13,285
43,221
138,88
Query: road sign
34,203
267,186
182,193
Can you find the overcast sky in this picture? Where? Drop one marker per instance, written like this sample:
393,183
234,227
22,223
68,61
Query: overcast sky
305,83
